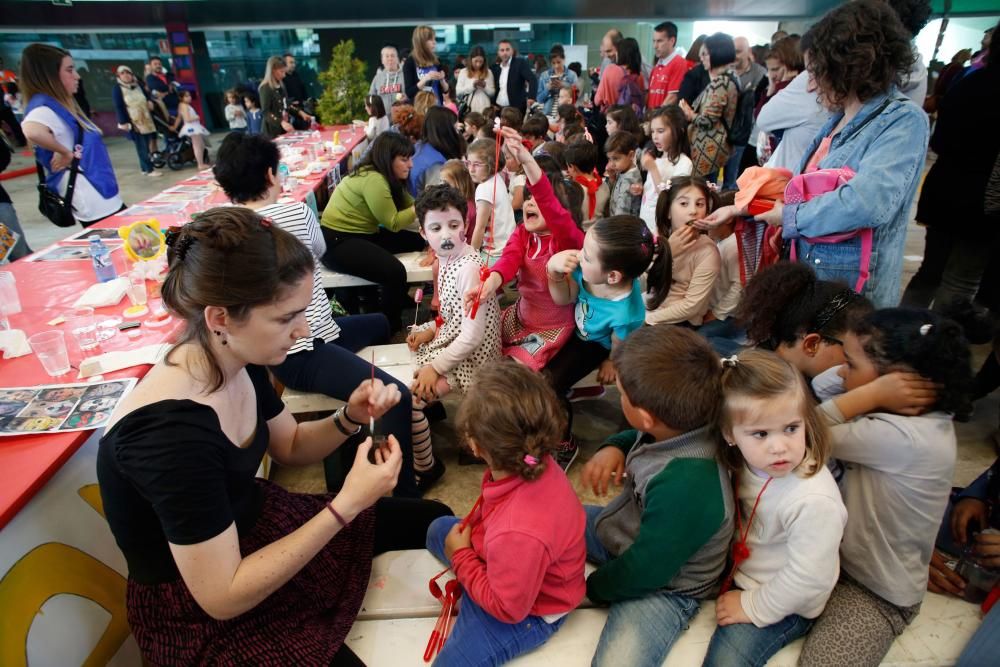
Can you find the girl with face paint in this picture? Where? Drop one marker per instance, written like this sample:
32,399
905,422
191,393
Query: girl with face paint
450,349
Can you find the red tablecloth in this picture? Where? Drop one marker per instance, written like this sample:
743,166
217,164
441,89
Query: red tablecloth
49,289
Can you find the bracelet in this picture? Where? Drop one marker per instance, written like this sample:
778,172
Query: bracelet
348,418
341,427
336,515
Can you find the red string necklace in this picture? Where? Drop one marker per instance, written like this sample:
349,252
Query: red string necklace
740,550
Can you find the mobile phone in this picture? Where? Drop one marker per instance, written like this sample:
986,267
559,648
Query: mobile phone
125,326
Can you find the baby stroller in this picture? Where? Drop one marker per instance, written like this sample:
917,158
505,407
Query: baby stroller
178,152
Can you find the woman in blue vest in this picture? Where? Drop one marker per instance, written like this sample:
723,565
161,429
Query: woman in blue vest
439,142
56,127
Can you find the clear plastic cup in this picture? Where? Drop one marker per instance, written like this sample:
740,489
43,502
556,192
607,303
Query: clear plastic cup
50,347
8,294
83,326
137,288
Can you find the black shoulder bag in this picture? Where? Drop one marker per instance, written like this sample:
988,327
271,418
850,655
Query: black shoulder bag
60,209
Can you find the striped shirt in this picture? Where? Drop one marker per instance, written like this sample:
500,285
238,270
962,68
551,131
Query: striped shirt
298,219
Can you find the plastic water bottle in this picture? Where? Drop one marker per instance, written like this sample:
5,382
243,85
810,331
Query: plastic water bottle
283,173
100,255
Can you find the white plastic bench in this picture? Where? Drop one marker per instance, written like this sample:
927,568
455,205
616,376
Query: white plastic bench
396,360
398,615
410,260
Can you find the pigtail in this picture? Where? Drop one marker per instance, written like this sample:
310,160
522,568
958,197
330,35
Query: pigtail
532,464
660,274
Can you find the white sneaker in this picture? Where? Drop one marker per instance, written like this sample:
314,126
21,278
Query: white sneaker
154,174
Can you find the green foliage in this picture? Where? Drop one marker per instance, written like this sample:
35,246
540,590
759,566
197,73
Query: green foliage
345,84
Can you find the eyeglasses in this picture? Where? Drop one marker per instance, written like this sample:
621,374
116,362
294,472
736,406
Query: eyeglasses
473,165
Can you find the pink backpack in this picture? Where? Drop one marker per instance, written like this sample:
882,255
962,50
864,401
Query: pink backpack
804,187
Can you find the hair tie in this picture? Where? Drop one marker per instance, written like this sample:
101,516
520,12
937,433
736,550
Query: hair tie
265,222
925,328
730,362
530,460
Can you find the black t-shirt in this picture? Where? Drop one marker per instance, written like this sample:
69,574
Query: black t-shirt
169,474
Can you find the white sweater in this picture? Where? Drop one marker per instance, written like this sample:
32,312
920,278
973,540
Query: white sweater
799,114
896,489
793,540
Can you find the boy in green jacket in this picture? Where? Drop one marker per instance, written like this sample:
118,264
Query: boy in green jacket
661,545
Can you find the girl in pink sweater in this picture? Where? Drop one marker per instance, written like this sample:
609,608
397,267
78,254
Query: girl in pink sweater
519,554
533,329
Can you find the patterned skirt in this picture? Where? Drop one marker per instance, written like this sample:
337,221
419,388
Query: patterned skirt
531,346
302,623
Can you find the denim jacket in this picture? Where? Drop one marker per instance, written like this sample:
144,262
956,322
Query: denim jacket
885,144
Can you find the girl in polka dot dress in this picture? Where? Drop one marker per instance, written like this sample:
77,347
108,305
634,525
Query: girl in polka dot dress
449,350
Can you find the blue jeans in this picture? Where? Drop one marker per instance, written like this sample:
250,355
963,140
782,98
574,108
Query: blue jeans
141,142
746,645
477,638
723,335
984,647
335,370
732,168
638,632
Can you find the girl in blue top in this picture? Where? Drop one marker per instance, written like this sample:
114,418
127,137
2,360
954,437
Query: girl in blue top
602,280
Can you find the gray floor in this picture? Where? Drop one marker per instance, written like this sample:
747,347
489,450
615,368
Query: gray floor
595,419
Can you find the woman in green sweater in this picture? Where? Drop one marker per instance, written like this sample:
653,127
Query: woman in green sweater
365,223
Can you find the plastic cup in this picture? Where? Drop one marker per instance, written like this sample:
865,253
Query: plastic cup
83,326
137,288
8,294
50,346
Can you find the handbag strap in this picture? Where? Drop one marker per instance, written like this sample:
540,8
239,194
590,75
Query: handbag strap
74,169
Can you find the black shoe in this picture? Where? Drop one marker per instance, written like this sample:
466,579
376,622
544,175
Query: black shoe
428,478
435,412
467,458
567,453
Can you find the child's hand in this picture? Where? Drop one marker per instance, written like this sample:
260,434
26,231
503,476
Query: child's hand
562,264
942,578
648,161
903,393
681,240
458,538
966,512
513,142
417,338
606,373
635,189
487,288
425,383
607,464
729,609
988,549
718,217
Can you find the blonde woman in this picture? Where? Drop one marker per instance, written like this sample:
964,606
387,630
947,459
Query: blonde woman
422,70
475,82
273,102
54,124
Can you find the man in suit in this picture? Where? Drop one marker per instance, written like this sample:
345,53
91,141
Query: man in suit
517,84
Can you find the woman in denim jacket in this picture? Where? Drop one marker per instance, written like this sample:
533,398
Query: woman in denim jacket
854,56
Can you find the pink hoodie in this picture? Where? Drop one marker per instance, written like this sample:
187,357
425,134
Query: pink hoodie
528,551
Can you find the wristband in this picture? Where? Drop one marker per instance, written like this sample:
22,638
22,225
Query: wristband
340,427
347,416
336,514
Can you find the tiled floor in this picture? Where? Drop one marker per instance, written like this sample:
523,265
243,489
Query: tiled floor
594,419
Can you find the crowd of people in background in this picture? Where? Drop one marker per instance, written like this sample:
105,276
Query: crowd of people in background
719,232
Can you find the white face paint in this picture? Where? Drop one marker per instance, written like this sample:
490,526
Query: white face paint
444,232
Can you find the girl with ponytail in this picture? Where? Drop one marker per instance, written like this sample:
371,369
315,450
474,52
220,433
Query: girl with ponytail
519,554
